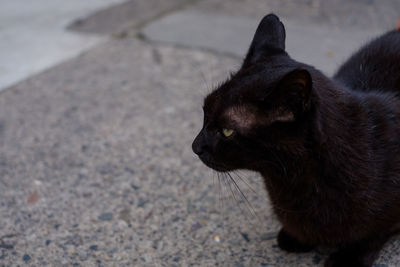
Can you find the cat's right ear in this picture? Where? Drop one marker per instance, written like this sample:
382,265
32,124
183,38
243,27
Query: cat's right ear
293,94
268,39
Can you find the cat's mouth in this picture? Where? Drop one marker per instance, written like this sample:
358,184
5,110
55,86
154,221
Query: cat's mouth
215,166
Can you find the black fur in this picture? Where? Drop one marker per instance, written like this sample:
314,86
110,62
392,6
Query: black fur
328,149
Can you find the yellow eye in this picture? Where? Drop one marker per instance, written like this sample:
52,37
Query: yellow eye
227,132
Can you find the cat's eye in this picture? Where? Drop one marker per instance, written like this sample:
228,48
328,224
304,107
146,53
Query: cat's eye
227,132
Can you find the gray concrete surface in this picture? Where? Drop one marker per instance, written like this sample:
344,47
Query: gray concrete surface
121,20
320,33
33,35
96,166
317,45
355,14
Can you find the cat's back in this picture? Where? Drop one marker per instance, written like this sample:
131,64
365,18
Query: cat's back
375,67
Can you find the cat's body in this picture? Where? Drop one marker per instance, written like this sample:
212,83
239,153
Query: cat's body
375,66
353,168
328,149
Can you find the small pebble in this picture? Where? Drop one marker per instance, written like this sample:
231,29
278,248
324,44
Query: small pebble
245,237
107,216
125,215
93,247
26,258
135,187
113,251
82,255
141,202
195,227
122,224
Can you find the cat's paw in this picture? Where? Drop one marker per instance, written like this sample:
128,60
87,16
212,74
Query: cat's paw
339,259
290,244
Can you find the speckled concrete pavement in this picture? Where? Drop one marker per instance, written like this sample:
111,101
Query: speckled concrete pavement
33,35
97,170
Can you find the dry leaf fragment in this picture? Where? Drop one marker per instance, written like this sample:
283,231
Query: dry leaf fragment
33,198
330,53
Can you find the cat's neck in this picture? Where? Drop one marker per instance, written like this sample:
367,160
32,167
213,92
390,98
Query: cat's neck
342,135
340,141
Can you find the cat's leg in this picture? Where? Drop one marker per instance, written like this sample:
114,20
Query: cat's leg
362,253
291,244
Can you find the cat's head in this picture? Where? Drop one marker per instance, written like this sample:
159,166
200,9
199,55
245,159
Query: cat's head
260,110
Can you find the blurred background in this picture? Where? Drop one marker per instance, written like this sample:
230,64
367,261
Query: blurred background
100,101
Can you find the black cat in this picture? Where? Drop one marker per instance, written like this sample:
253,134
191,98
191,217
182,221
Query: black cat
328,149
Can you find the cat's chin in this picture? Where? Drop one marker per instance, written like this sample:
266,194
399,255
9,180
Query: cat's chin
216,167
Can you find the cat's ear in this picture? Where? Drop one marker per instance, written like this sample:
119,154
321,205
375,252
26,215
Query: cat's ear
292,97
268,39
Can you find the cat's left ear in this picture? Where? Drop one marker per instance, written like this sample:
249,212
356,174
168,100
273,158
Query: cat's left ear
292,96
269,39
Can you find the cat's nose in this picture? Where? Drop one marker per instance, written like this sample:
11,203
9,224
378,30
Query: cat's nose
198,145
